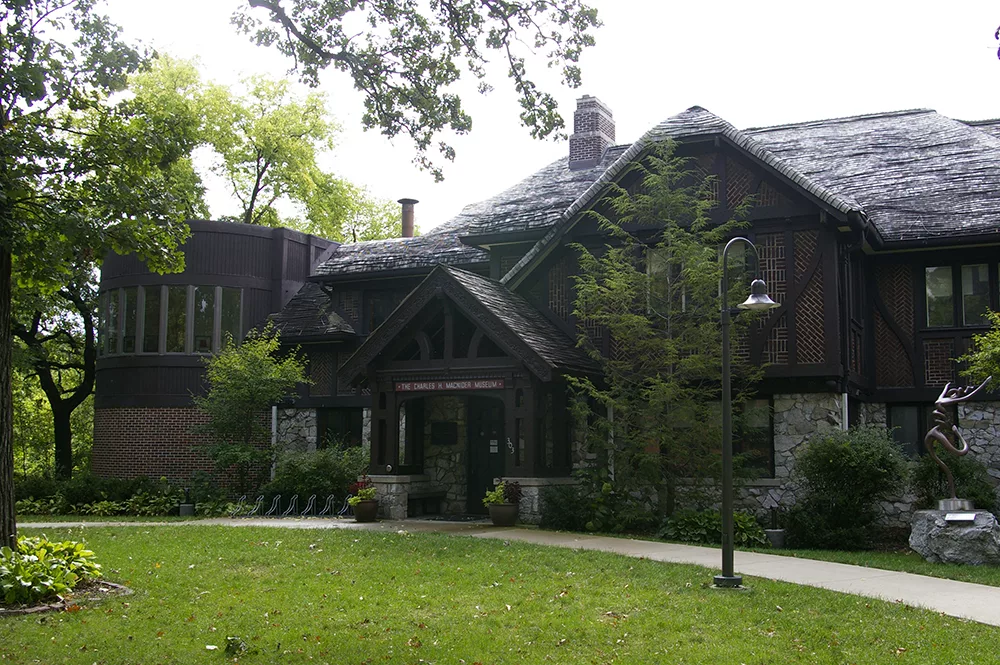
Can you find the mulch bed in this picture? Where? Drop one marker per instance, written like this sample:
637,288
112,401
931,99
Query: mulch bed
95,591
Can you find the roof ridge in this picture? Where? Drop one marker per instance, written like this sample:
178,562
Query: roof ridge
978,123
840,119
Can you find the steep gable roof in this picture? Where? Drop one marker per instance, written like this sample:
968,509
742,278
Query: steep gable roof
519,328
916,174
309,314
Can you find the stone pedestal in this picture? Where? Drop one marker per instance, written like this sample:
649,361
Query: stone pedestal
973,542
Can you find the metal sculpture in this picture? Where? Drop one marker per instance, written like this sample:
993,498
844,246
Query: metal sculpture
949,397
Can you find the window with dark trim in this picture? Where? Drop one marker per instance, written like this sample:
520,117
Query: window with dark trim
910,423
754,438
957,295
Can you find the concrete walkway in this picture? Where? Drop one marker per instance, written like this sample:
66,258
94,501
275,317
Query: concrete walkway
959,599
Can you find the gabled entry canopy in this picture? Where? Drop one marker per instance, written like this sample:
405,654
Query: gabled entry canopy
500,319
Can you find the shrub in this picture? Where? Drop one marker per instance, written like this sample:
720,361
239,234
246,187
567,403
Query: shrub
564,508
595,506
971,482
705,526
845,475
39,569
321,472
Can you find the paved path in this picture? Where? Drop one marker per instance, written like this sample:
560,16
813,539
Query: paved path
960,599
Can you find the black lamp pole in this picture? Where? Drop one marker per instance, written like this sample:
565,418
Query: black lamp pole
758,300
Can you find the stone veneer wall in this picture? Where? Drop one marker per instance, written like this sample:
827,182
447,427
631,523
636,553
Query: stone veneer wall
445,466
797,417
297,430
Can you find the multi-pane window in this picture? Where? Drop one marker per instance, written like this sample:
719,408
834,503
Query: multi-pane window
940,296
755,437
975,294
151,319
174,319
957,295
204,318
129,318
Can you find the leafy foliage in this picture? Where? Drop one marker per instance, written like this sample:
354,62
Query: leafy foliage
691,526
363,490
971,482
244,381
405,57
38,569
983,358
505,492
845,474
654,419
321,472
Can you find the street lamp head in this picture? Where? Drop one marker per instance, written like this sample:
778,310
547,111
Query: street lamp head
758,300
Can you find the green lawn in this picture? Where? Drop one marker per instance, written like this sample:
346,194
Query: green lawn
338,596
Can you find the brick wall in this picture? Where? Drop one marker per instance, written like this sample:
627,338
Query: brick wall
149,441
593,132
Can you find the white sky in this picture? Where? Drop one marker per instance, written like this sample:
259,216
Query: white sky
752,63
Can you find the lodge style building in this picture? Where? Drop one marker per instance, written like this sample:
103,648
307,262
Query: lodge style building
447,354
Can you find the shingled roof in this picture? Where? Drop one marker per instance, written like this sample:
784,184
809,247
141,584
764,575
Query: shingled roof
916,174
520,328
534,203
309,314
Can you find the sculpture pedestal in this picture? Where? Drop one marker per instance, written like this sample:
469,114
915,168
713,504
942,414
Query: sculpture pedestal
969,537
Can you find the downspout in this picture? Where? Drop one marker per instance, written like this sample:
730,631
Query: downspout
274,439
862,224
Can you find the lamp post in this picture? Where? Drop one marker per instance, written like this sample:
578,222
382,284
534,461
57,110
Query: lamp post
757,301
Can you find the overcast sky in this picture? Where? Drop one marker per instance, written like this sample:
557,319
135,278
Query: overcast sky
753,63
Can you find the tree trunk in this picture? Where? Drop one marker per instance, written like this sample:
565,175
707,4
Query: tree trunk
63,440
8,525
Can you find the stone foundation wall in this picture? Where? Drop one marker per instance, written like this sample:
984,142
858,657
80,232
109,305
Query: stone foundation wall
445,466
530,508
297,430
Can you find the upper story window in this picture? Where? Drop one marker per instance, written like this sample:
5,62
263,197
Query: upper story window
169,319
957,295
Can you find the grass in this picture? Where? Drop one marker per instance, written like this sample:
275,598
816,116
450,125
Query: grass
337,596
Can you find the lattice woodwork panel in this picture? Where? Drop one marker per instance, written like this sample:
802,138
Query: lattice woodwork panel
343,383
705,168
810,333
768,196
349,304
857,359
892,367
741,346
805,249
321,371
738,179
506,263
595,331
618,351
776,349
773,266
938,368
558,289
895,288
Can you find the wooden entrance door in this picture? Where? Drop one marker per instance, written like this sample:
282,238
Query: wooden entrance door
486,452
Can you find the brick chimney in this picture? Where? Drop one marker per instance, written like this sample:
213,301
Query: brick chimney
407,230
593,133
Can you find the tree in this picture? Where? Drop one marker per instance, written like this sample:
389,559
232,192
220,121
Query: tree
67,198
244,381
405,57
57,332
267,142
654,417
983,358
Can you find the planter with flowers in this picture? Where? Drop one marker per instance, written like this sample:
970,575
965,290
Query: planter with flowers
503,502
362,500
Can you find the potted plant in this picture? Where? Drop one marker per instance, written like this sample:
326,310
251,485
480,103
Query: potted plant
503,503
362,500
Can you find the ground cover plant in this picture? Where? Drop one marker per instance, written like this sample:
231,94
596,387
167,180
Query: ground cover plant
346,596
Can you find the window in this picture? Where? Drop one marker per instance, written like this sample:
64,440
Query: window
940,296
909,424
129,318
664,293
204,318
975,294
755,437
151,319
176,319
111,339
102,323
231,316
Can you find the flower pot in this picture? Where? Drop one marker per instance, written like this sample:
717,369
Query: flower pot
366,510
777,538
503,514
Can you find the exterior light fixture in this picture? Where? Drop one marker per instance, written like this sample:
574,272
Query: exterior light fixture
758,301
